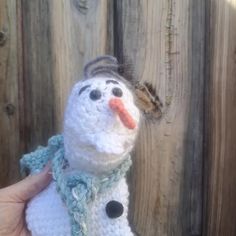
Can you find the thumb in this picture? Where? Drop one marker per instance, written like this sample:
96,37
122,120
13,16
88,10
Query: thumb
28,187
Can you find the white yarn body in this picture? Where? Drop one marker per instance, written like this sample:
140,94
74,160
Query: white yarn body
96,141
46,214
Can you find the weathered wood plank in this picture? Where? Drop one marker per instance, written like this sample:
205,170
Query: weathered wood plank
10,45
38,91
80,32
59,37
221,150
192,195
164,42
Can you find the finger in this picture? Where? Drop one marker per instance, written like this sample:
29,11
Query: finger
29,187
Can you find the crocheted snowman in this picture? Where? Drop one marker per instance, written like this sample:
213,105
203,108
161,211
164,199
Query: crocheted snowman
89,193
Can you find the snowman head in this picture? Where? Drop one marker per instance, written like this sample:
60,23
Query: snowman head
101,119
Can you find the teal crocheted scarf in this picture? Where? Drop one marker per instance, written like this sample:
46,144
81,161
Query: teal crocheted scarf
77,190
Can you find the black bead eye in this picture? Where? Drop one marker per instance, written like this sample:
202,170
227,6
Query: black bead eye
114,209
117,92
95,94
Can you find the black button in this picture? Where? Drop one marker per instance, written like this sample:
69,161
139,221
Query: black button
114,209
117,92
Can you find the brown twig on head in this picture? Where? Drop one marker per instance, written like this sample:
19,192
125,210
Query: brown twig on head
126,70
112,68
106,66
104,61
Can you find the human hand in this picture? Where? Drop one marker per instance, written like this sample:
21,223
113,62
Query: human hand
13,200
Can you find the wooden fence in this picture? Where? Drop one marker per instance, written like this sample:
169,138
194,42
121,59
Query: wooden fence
183,181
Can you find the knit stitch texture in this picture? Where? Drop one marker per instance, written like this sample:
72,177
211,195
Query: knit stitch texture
89,193
76,190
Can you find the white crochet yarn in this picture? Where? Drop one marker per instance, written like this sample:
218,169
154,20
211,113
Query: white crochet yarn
96,141
47,215
95,138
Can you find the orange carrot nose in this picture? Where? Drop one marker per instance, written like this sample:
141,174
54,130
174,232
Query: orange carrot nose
117,106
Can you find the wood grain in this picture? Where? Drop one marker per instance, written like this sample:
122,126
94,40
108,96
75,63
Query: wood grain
10,44
38,111
164,42
220,216
59,38
80,32
185,49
